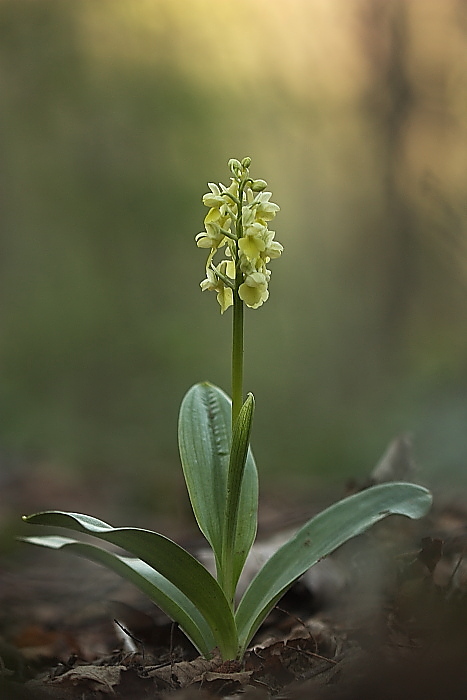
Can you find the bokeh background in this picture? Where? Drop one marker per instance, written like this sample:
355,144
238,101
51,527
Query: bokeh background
114,116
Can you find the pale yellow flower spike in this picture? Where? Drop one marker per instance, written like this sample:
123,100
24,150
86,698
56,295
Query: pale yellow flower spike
237,221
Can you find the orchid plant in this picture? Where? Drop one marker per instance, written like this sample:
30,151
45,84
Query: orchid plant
219,468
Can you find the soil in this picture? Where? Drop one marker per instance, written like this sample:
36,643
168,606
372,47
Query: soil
385,618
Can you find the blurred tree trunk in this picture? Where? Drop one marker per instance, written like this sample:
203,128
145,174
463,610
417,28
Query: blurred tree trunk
387,106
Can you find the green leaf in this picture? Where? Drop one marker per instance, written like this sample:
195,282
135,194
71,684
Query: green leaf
166,557
159,589
204,435
319,537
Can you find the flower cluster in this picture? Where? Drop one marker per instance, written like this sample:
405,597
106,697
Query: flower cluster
237,224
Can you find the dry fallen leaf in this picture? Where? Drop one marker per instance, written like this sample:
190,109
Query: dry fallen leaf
98,678
184,672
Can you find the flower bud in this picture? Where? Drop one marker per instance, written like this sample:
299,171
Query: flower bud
258,185
246,162
235,166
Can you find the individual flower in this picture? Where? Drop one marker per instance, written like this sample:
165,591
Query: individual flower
213,199
273,249
212,237
212,216
254,290
214,282
230,193
252,244
219,203
265,210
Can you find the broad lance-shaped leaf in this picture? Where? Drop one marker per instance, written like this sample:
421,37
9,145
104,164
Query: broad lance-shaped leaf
166,557
204,435
319,537
163,593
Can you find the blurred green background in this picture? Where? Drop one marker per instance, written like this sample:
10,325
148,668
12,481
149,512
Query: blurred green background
114,116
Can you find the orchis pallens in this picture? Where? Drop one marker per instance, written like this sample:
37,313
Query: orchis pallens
237,222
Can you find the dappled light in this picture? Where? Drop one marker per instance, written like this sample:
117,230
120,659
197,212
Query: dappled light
116,114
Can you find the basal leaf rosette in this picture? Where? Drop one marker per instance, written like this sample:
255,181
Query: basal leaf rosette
236,227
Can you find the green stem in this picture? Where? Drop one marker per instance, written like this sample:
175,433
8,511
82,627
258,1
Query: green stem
237,355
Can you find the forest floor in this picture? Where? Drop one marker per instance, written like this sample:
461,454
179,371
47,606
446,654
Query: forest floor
384,617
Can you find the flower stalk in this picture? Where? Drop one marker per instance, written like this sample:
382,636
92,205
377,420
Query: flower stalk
237,224
237,354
